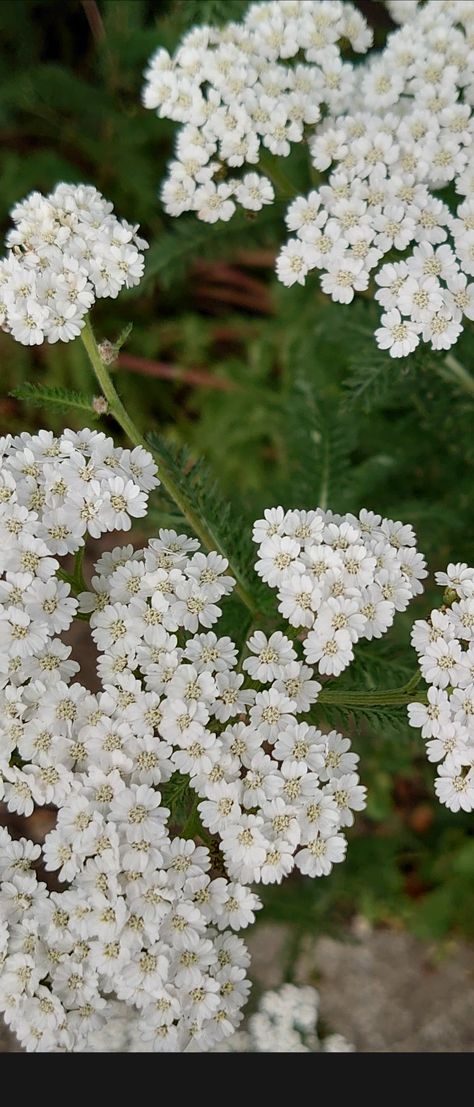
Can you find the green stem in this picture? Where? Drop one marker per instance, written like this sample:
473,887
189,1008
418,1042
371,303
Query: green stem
108,388
75,579
393,697
122,417
76,585
78,575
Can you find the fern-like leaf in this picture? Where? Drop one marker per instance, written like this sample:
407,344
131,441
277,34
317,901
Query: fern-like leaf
385,722
225,523
45,396
320,440
374,377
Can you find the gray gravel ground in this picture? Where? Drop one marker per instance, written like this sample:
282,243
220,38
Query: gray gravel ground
383,990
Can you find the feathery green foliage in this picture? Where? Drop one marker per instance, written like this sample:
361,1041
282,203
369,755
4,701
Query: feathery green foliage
41,395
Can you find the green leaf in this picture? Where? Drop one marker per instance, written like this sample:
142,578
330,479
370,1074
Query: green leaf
321,438
123,336
369,382
176,795
374,377
44,396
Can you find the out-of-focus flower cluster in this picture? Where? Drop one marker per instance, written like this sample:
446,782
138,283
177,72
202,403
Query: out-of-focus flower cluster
445,647
286,1022
389,142
65,251
341,577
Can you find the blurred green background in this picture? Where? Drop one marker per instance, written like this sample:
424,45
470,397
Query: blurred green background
281,391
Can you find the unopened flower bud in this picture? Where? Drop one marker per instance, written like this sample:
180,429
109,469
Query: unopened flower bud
100,405
108,352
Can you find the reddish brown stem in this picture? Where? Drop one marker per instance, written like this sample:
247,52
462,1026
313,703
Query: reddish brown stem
146,367
226,333
256,259
215,293
94,19
220,271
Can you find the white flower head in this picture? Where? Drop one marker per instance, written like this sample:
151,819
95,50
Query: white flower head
445,715
66,250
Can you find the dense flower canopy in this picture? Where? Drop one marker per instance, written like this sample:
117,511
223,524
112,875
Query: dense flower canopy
128,895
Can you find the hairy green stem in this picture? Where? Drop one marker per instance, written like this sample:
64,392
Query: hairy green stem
101,371
120,414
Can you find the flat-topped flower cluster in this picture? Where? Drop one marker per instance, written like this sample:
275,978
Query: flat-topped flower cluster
389,143
128,895
341,577
240,90
65,250
445,647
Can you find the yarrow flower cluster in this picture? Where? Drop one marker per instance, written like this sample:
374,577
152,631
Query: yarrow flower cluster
235,100
136,916
65,251
286,1022
445,647
340,577
132,908
389,137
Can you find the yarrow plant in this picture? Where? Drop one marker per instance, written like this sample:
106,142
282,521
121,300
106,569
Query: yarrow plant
445,647
389,142
200,768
